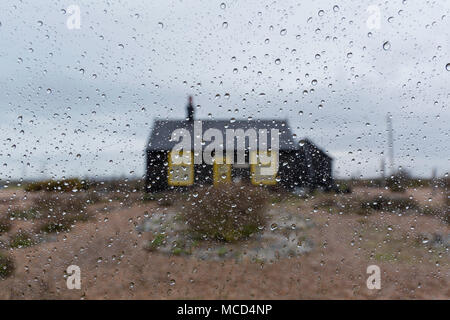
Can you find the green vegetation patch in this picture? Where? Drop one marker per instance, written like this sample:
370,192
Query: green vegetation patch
24,214
66,185
6,266
156,242
5,225
21,240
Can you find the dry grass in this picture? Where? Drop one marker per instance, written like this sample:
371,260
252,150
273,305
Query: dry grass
109,251
58,212
54,212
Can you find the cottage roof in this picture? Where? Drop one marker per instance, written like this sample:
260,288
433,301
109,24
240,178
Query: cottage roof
160,138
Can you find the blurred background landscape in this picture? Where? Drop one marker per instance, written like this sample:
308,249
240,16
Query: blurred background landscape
78,103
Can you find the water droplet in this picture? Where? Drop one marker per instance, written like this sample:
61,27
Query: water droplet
387,45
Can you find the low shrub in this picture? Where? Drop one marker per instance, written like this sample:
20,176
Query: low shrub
326,203
59,212
90,197
343,188
121,185
164,199
389,203
430,211
65,185
21,239
23,214
55,205
52,227
6,266
156,242
399,181
5,225
228,212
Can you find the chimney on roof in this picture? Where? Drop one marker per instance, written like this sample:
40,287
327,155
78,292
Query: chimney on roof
190,110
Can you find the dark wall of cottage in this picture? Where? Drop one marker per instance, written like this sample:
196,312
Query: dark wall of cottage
318,168
307,167
203,174
292,169
156,173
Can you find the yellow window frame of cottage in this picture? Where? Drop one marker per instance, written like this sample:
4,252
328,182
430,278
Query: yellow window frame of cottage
218,174
180,166
256,165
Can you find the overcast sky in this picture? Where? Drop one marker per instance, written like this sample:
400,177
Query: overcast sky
81,102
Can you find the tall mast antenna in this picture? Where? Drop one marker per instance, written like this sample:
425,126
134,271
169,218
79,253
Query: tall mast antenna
390,132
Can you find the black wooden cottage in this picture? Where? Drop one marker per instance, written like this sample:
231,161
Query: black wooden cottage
300,163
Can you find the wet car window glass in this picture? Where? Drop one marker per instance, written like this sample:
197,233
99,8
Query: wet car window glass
224,149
